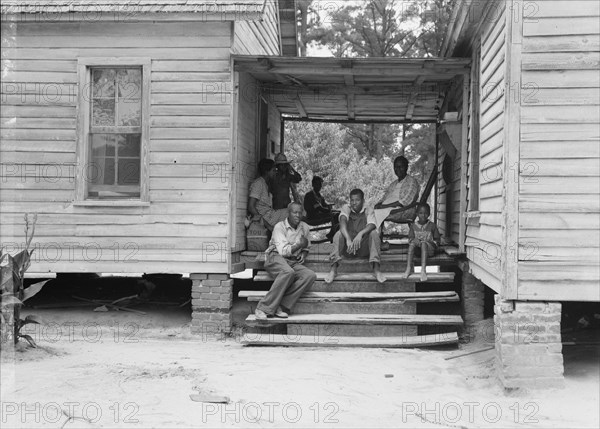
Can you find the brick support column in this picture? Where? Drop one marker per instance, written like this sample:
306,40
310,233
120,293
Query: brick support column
212,298
472,294
528,344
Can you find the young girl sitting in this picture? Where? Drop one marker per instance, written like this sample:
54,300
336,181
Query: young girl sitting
423,234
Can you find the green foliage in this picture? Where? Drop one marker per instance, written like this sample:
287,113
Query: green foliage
419,148
12,274
376,28
381,28
319,149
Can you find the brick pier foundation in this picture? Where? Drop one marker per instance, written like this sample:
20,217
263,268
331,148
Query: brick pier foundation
528,344
212,298
472,294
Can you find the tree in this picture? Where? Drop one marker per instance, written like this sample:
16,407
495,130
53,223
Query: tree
376,28
320,149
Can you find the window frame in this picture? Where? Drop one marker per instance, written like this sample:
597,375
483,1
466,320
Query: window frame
84,70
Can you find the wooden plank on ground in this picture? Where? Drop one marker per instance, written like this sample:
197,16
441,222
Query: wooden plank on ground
257,295
263,276
361,319
381,342
453,251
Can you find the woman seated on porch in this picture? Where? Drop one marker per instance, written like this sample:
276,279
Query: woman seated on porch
318,211
260,203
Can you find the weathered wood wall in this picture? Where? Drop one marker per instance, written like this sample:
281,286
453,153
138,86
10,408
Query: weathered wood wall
559,231
483,238
185,226
246,153
250,38
448,203
258,37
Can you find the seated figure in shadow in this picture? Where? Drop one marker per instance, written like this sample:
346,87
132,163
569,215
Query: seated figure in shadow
318,211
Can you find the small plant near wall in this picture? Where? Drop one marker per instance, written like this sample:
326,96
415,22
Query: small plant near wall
13,294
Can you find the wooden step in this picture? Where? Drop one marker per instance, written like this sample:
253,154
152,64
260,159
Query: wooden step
372,342
361,319
357,307
350,307
389,262
257,295
364,286
333,330
263,276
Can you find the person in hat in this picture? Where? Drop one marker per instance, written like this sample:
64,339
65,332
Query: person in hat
283,181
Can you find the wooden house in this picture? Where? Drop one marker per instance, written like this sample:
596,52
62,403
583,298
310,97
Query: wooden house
515,94
521,194
118,122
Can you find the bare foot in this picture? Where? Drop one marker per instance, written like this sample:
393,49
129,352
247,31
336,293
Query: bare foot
423,276
406,274
331,275
379,276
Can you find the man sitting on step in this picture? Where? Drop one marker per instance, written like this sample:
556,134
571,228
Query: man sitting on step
284,262
357,236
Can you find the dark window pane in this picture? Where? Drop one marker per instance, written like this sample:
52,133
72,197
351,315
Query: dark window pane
103,83
129,82
130,112
103,112
129,145
129,171
102,145
102,171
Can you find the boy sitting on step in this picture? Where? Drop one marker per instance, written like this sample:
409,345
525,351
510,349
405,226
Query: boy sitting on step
423,234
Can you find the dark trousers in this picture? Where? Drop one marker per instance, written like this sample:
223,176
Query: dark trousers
291,280
370,247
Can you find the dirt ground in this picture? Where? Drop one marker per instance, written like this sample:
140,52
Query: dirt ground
126,370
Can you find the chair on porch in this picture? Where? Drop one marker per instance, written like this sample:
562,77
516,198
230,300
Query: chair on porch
423,199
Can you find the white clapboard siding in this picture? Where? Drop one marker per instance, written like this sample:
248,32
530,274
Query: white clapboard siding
185,226
246,157
258,37
246,153
483,239
560,139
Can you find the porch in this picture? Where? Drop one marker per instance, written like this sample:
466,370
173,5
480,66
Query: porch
362,90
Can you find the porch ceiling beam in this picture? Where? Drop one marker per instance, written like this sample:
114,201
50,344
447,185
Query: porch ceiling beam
349,80
300,107
371,71
408,88
411,105
365,120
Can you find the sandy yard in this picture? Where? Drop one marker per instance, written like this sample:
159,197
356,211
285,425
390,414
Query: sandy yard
126,370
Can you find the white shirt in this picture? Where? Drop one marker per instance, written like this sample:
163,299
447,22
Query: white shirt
285,236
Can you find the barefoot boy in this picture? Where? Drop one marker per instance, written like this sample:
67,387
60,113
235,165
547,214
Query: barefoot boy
423,234
357,237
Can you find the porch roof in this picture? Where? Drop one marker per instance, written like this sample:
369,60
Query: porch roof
355,89
238,9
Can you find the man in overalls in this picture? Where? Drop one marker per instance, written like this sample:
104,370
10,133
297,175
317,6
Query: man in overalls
357,237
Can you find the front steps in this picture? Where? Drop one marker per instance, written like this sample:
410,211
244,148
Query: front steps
363,296
371,342
357,311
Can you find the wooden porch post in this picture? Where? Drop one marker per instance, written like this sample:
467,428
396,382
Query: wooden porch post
462,223
282,136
